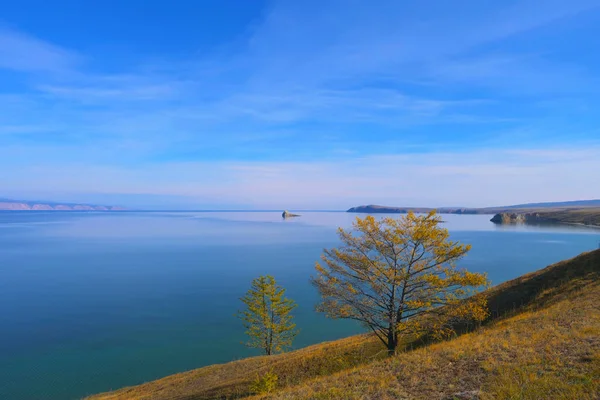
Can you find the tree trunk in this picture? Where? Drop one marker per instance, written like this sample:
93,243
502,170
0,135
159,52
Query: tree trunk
392,341
391,350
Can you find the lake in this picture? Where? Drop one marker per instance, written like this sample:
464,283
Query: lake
91,302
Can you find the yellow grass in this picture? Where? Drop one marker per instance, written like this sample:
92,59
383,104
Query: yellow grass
543,343
233,380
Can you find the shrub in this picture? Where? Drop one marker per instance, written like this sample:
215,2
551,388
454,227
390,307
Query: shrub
264,384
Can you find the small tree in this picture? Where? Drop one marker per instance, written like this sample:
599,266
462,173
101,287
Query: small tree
267,317
264,384
394,270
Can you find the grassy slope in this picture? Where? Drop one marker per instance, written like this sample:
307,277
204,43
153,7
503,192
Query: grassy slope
542,342
232,380
547,349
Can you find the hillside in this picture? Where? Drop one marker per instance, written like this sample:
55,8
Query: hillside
377,209
542,341
559,204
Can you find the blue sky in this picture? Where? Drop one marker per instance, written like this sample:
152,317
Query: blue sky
300,104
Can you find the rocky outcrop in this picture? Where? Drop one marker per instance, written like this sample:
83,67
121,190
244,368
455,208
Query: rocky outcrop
287,214
584,216
508,218
522,218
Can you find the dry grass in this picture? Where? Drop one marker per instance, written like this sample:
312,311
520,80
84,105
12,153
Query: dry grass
545,354
543,343
233,380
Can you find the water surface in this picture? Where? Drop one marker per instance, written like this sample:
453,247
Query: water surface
91,302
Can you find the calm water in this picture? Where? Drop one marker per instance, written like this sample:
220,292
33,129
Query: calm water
93,301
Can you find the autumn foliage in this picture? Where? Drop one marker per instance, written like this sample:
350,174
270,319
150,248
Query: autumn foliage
388,272
267,319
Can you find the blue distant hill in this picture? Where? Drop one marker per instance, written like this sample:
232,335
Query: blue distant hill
575,203
24,205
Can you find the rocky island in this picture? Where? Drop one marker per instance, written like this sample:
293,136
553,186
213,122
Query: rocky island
514,218
287,214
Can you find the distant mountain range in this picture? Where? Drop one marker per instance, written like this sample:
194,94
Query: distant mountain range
484,210
21,205
560,204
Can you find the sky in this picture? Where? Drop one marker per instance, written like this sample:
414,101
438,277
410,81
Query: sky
206,104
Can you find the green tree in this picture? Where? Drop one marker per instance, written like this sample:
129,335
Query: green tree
390,271
267,317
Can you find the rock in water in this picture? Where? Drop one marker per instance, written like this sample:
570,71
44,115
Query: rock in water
517,218
287,214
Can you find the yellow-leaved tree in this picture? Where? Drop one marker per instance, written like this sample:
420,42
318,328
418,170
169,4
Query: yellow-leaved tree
399,277
267,317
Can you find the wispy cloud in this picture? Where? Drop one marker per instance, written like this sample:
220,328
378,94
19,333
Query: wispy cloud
21,52
92,94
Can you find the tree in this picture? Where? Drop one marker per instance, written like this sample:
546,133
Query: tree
391,271
267,317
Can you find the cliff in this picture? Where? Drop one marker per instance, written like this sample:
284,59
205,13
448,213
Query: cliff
17,205
514,218
584,216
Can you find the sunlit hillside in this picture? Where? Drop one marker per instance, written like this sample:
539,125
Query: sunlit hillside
542,341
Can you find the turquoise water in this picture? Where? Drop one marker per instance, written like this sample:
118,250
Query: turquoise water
95,301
